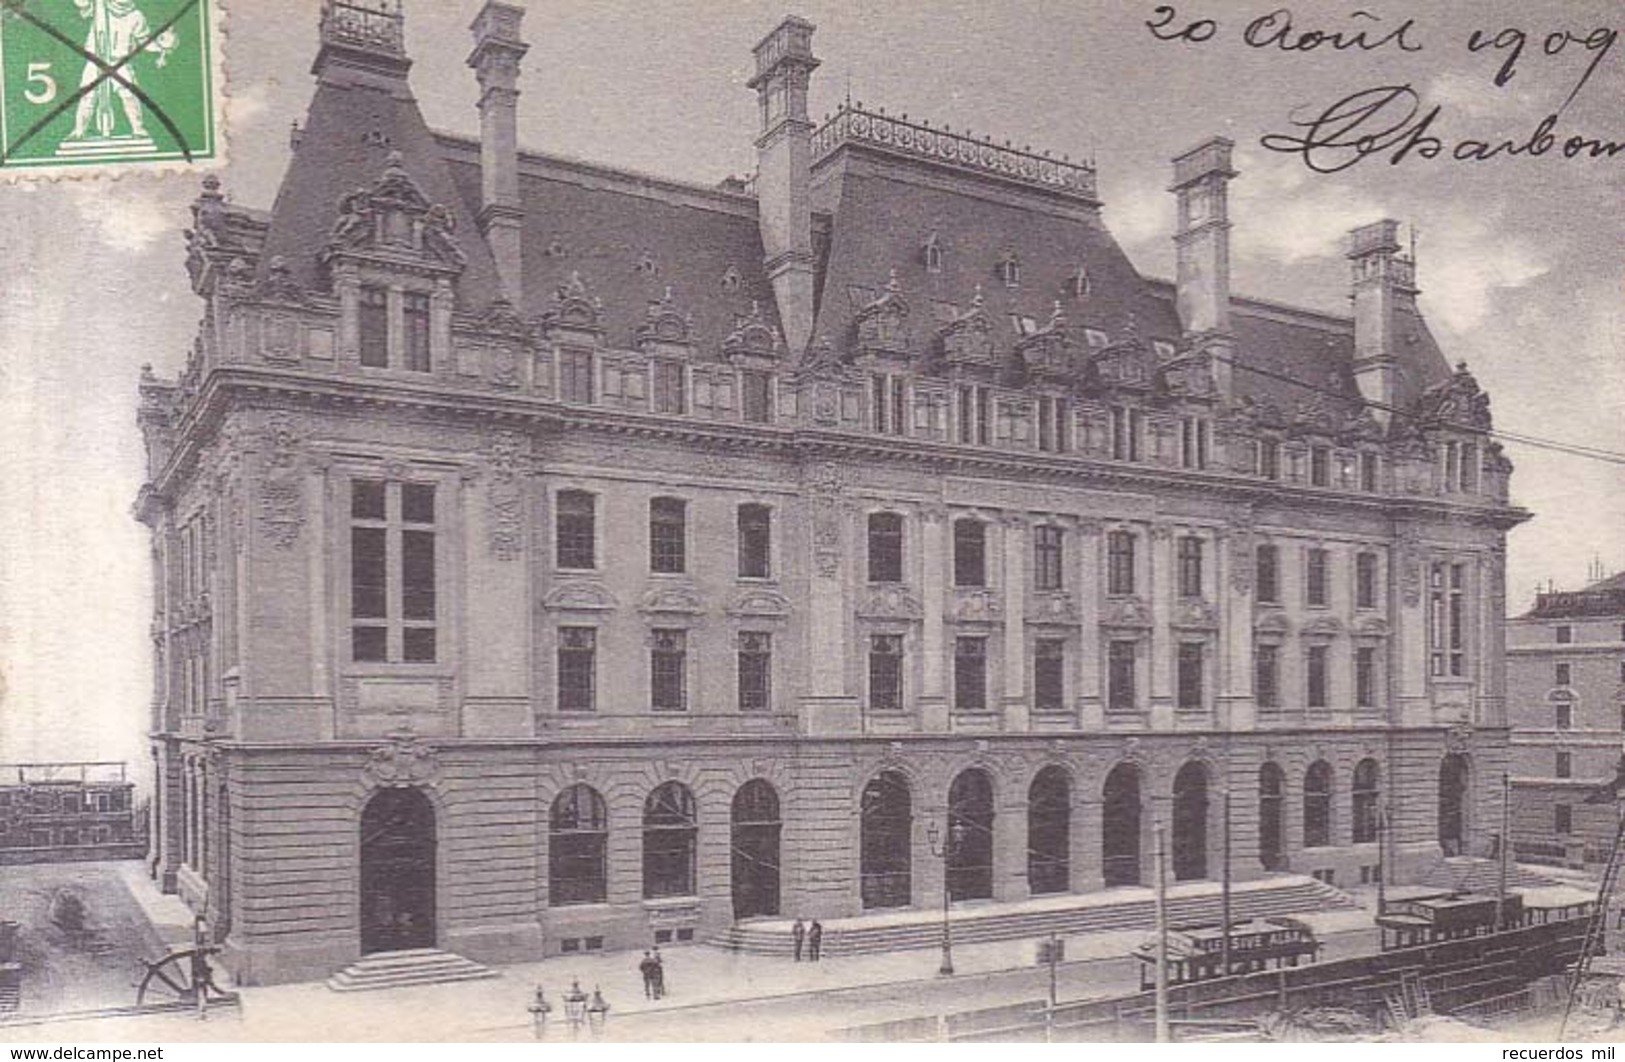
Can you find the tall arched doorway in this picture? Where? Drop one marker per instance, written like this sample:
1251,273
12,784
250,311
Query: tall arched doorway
1272,816
755,843
970,828
1190,822
397,871
1049,832
1120,826
886,842
1453,803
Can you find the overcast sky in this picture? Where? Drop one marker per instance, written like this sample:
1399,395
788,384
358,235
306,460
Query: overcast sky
1521,260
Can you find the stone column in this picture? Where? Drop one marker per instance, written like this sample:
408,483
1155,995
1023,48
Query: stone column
1010,846
933,700
1160,654
1091,579
347,285
1234,587
1016,706
442,356
1408,645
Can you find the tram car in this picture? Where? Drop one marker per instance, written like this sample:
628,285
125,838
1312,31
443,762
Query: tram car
1413,918
1196,953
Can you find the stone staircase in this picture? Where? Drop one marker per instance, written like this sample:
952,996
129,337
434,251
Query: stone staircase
1471,874
1117,910
397,969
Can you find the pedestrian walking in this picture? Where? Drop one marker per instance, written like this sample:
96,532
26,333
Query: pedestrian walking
798,933
659,974
815,941
648,969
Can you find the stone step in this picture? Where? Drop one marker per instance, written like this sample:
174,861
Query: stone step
398,969
996,922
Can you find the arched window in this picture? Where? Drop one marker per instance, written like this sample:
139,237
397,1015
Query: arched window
1365,801
1453,803
1190,822
754,839
1120,826
1272,816
970,552
885,548
1317,805
886,842
1049,832
669,828
577,836
970,836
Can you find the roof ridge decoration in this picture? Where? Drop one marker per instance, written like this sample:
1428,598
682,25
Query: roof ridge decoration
394,218
853,124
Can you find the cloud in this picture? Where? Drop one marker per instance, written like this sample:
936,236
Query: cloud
124,217
1284,218
1466,263
1139,214
1478,96
245,106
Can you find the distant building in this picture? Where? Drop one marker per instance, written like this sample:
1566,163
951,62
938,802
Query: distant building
57,812
1566,700
551,558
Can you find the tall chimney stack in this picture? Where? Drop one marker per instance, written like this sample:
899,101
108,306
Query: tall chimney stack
1202,239
784,65
1384,288
498,49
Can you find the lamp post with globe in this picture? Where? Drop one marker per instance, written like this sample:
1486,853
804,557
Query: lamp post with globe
945,850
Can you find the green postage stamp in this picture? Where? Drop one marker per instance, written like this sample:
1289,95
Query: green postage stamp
94,84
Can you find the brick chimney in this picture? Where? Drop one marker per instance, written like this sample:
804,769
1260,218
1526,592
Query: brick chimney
498,49
1384,289
1202,239
784,66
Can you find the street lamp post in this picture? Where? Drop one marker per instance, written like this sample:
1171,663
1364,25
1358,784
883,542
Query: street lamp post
539,1009
597,1014
575,1008
944,850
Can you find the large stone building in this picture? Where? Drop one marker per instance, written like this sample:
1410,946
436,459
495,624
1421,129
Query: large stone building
1566,699
548,557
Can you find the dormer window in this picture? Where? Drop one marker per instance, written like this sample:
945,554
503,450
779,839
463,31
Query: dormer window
1078,285
373,327
1096,339
646,265
1025,325
1009,270
1164,349
415,331
731,281
931,251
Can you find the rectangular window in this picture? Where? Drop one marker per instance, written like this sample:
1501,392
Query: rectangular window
1053,414
1190,566
756,396
1120,695
890,404
1365,580
1315,584
965,414
1317,676
1049,675
578,669
372,325
1565,674
1047,557
415,322
1565,634
755,671
1125,433
1365,676
1368,473
755,542
669,395
1269,459
970,552
1452,465
886,672
1193,436
1190,676
1565,716
1458,620
575,530
1565,765
1563,819
1267,675
1269,576
575,377
1320,464
984,416
970,674
1469,467
668,535
668,670
1120,562
392,572
885,548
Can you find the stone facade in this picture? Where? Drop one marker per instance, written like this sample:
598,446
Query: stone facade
1566,699
470,537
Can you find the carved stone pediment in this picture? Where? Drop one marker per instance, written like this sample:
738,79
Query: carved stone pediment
575,312
881,324
891,602
279,285
752,338
503,319
1052,606
759,601
979,605
580,596
684,600
1370,627
1457,402
1047,354
665,329
1323,627
1272,622
1188,376
1126,613
1126,365
1196,614
968,338
395,220
405,761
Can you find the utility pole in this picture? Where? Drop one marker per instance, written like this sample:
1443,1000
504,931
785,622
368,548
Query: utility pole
1160,872
1382,858
1224,895
1505,853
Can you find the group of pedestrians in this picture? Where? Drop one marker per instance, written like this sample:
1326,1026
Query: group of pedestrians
654,974
811,936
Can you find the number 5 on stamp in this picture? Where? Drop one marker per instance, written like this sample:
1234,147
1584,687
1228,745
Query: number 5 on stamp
105,83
